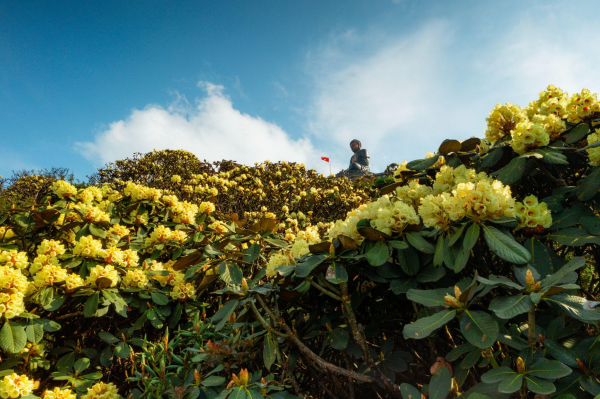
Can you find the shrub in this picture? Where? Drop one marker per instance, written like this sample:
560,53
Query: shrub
473,275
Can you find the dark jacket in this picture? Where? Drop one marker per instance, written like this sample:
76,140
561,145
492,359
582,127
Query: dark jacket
362,157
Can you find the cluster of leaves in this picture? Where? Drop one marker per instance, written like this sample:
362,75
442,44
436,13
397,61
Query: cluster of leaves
477,307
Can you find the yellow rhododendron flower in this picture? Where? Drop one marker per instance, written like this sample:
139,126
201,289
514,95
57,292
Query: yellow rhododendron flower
503,119
533,214
207,207
59,393
135,279
14,386
183,291
594,153
49,275
50,247
64,189
14,258
87,246
107,271
102,390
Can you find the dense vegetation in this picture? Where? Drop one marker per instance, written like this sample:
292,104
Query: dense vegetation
473,275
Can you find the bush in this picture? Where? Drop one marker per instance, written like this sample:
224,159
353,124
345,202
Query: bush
473,275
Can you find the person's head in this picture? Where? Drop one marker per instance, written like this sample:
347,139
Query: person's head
355,145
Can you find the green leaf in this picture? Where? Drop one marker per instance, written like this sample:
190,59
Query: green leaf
305,268
492,158
589,186
538,385
339,339
81,365
590,384
499,280
479,328
574,236
561,353
577,133
449,146
471,236
505,246
575,264
507,307
379,254
429,298
573,307
213,381
420,243
570,216
230,273
401,286
440,384
591,224
65,363
225,311
438,257
462,257
122,350
34,331
511,384
252,253
269,351
421,164
549,369
540,256
159,298
13,337
512,172
97,231
430,274
91,305
409,392
498,374
423,327
552,156
108,337
398,244
409,261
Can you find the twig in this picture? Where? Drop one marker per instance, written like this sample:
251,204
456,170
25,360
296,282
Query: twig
323,290
263,322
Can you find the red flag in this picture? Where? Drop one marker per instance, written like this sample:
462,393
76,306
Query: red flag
325,159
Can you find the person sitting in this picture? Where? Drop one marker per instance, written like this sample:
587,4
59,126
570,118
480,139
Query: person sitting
359,162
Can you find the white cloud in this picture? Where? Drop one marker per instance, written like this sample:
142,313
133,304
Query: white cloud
212,129
402,93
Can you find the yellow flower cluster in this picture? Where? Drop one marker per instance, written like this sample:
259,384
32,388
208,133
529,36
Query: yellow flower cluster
185,212
161,235
64,189
503,119
59,393
14,386
279,258
73,281
51,248
303,239
41,261
91,213
387,215
207,207
87,246
13,287
413,192
135,279
49,275
176,179
107,271
14,258
552,101
528,135
533,213
90,194
465,194
138,192
594,153
183,291
582,105
173,278
102,390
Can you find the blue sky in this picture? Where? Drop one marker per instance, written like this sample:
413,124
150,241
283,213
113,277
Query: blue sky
85,83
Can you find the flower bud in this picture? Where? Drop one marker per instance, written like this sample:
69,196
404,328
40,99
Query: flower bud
244,285
529,280
520,365
457,292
